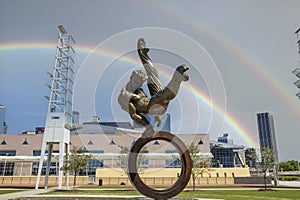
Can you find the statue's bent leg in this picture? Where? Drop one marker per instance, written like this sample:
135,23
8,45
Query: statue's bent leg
153,81
159,102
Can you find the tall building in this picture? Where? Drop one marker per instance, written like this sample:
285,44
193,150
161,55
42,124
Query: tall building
3,125
266,132
76,115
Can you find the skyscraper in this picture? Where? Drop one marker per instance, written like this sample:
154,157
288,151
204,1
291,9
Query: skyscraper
266,132
2,120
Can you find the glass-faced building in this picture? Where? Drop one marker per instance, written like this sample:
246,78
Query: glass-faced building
266,132
226,154
2,119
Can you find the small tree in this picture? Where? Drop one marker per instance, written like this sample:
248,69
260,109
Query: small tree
76,162
267,162
252,157
123,159
200,164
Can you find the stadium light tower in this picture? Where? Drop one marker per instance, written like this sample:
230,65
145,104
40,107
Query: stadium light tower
297,70
59,116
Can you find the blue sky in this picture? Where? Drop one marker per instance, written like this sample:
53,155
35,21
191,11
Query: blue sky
249,46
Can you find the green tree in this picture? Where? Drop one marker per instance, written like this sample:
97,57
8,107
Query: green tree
252,157
291,165
123,159
200,164
267,162
76,161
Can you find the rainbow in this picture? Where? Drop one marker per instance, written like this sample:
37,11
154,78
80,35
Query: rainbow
257,66
193,89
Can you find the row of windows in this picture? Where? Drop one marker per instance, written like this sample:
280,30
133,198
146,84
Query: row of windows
6,169
90,170
224,157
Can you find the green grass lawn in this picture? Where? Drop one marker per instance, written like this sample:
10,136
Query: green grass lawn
214,194
9,191
243,194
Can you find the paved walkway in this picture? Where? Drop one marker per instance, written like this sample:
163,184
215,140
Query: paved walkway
33,195
16,195
289,183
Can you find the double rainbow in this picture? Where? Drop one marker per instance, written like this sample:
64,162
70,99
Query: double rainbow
247,137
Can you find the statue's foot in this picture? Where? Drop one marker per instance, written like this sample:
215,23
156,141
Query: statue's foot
182,69
141,44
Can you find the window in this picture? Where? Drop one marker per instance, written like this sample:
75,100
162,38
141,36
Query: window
90,142
123,158
54,166
52,172
25,142
91,168
112,142
3,142
145,162
174,163
156,142
7,168
92,164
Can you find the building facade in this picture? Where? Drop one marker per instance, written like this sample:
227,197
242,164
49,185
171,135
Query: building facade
266,132
20,153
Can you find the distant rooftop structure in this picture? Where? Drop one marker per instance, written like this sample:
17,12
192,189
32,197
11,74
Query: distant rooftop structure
112,124
225,139
98,127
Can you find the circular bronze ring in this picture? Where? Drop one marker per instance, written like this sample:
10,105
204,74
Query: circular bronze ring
186,167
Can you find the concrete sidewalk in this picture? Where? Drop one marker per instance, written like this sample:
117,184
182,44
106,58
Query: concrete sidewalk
290,183
34,195
18,195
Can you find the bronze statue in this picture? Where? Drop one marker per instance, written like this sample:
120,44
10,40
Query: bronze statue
134,100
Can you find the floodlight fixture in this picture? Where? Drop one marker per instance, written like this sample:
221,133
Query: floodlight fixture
49,86
49,74
297,72
62,29
297,83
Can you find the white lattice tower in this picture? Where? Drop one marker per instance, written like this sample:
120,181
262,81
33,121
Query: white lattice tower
59,116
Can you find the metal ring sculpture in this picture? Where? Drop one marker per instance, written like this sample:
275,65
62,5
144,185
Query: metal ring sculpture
186,167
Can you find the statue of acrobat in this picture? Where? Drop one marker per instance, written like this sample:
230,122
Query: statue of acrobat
133,99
